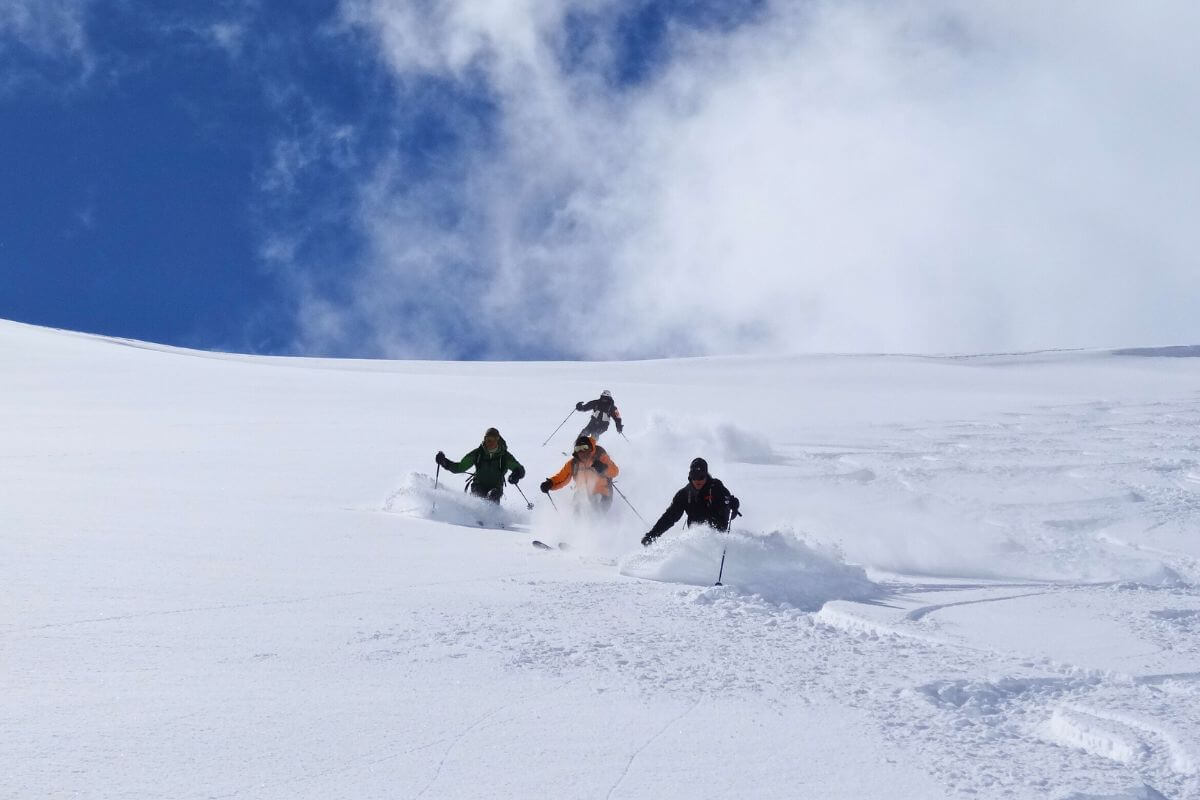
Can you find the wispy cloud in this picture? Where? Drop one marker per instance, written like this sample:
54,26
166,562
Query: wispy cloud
35,34
819,176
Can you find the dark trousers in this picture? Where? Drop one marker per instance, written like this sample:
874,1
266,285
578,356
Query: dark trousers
594,428
493,494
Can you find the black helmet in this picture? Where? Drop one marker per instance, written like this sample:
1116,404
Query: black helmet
698,469
582,444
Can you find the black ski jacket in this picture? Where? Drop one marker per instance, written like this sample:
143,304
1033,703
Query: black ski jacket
602,408
709,505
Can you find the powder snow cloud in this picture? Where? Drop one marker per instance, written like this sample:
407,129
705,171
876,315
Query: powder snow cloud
945,176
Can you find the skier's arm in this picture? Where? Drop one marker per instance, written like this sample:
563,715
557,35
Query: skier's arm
465,464
671,515
616,415
562,477
588,406
610,469
518,472
728,500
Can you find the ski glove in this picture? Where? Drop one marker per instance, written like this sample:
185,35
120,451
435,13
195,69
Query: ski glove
648,540
545,487
620,427
579,406
441,459
514,477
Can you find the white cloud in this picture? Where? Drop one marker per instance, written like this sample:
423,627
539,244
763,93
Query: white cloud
52,29
832,176
229,35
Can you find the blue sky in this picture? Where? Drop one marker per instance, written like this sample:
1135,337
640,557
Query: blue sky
146,171
598,179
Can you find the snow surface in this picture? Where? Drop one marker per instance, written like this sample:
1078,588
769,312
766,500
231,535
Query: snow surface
231,577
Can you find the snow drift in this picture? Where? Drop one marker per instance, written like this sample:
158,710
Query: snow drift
778,566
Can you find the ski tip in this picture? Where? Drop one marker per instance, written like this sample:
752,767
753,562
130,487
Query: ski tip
541,545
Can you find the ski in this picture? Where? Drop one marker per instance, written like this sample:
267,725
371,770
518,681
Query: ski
540,545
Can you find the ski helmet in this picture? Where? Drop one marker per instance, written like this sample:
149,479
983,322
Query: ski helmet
606,393
698,469
582,445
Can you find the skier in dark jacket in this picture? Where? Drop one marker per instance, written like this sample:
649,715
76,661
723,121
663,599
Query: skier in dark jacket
490,460
603,409
705,500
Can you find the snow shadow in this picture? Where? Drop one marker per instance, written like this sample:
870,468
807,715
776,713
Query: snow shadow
448,503
1142,792
778,566
710,438
1176,351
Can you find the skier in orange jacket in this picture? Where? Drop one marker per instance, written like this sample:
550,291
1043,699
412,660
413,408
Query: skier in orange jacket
591,469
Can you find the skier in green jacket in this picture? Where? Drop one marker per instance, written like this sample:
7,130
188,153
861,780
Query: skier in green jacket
490,460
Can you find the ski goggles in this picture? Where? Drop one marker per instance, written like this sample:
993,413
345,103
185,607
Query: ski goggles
583,448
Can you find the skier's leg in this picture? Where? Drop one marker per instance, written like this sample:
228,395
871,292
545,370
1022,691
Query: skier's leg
485,493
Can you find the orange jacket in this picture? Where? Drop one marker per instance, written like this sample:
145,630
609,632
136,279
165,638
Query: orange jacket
587,477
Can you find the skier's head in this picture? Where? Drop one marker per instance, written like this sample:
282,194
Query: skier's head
606,393
585,449
698,472
491,440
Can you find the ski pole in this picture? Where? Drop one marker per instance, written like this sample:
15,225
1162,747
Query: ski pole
623,436
556,430
626,499
436,475
552,503
528,504
721,571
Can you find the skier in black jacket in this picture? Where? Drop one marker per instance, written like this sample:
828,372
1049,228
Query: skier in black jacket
705,500
603,408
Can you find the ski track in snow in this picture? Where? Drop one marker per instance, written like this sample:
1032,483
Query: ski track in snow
633,756
790,655
1102,724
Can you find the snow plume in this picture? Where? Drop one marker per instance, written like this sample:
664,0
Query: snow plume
779,566
831,176
417,497
960,536
682,438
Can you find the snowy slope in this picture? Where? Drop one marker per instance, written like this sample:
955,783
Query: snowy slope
223,576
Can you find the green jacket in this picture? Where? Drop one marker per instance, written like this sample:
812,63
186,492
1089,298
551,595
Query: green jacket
489,468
